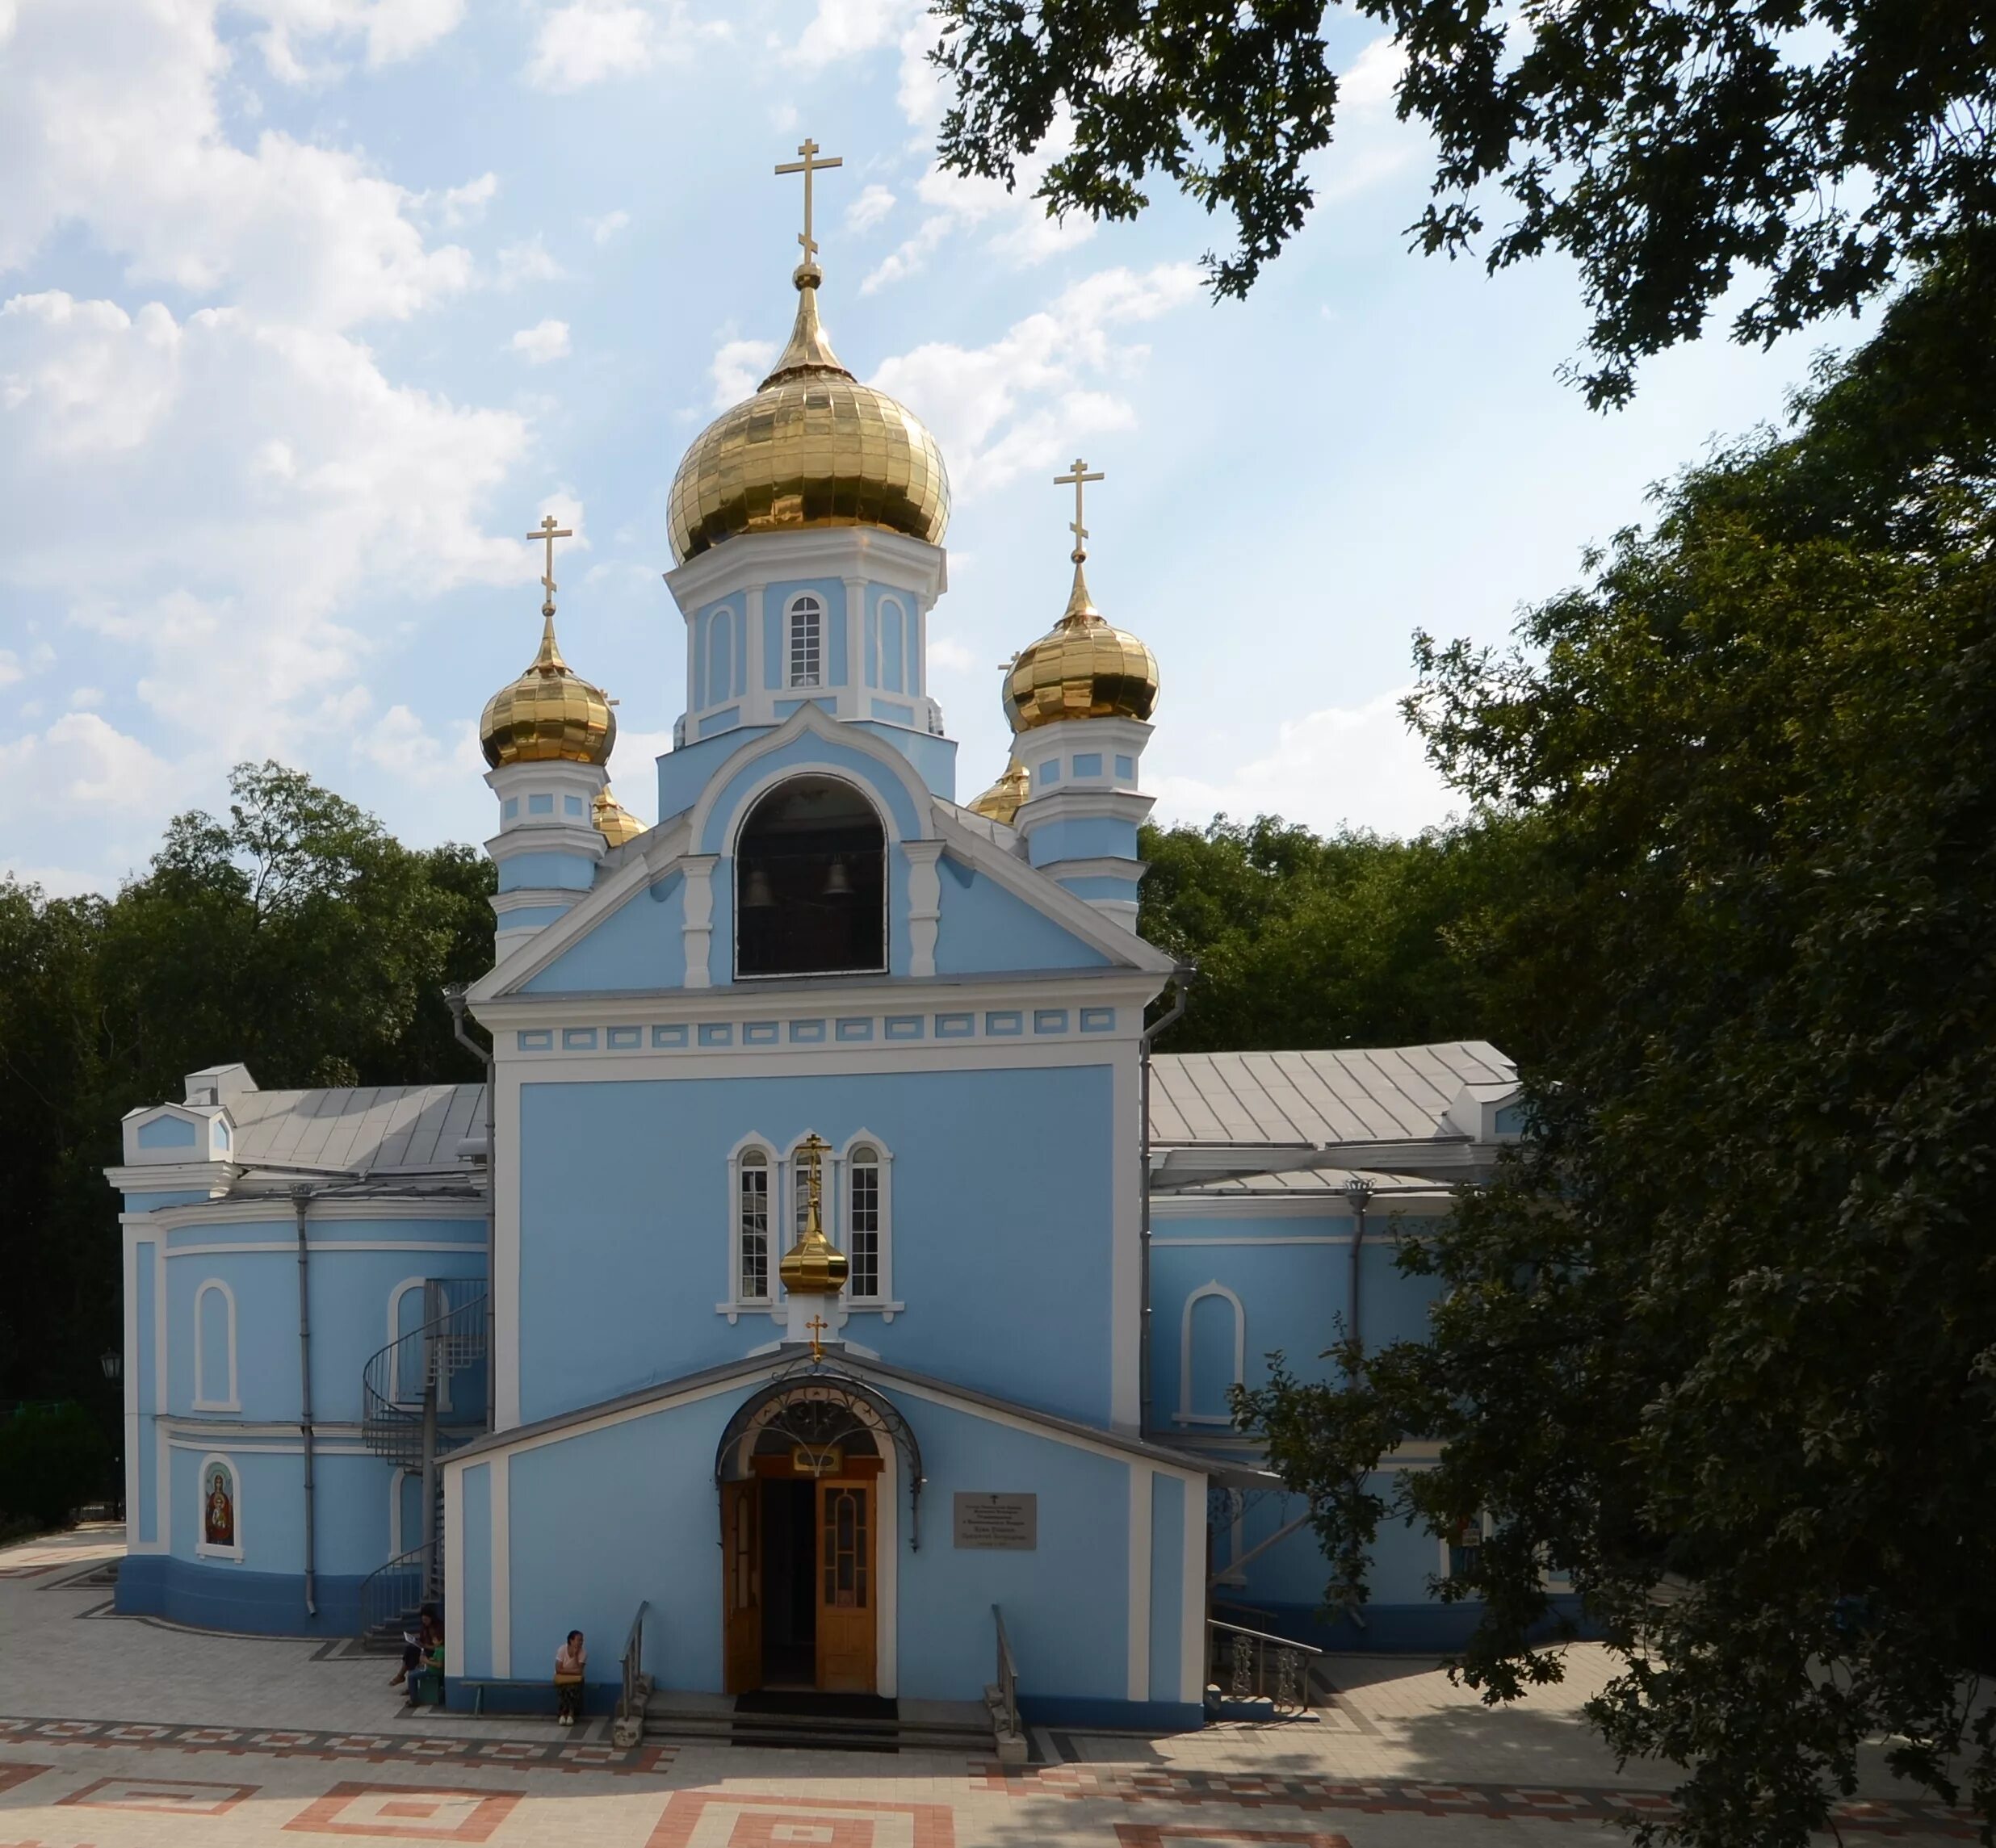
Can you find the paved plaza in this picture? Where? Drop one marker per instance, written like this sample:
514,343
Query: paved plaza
116,1732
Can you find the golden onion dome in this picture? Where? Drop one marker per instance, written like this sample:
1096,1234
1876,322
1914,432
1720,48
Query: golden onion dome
1005,798
813,448
549,712
615,822
814,1265
1080,668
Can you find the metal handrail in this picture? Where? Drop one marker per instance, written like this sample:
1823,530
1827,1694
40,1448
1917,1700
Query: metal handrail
636,1688
1254,1665
399,1377
393,1590
1007,1682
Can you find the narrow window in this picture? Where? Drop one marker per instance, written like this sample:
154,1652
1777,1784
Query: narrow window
806,641
752,1238
862,1246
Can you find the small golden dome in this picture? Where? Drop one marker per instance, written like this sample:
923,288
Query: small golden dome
615,822
1080,668
813,1266
1005,798
813,448
549,712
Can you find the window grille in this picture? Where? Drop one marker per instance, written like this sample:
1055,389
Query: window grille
806,641
863,1230
753,1234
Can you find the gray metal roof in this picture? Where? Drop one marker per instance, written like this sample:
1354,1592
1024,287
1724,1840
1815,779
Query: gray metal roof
1320,1180
370,1129
1310,1099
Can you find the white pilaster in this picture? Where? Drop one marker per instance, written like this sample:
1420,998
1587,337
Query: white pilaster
699,926
924,903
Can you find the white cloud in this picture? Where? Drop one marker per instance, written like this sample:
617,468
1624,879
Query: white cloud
1356,766
466,204
948,656
109,118
601,230
738,368
591,41
83,698
1024,399
394,29
400,743
851,28
527,262
545,340
80,761
873,204
10,668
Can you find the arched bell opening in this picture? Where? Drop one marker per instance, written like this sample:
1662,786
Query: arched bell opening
810,885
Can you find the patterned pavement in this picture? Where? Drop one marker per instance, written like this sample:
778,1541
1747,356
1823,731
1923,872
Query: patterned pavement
272,1743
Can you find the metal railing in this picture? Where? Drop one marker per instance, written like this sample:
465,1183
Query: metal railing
1253,1664
1007,1712
416,1384
393,1591
637,1685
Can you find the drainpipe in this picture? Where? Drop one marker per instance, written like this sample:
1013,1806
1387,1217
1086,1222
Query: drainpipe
453,999
1358,1192
301,1203
1185,975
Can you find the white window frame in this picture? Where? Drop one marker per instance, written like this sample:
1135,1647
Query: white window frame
201,1546
1186,1415
734,1305
203,1400
1486,1527
793,612
883,1301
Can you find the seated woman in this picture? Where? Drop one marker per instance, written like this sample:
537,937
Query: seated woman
570,1661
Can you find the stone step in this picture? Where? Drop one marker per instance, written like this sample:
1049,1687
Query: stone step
667,1718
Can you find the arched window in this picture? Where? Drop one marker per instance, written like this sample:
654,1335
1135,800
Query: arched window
215,1348
721,655
806,641
219,1510
865,1224
1212,1352
752,1227
811,882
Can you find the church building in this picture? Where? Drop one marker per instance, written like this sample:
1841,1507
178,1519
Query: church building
832,1289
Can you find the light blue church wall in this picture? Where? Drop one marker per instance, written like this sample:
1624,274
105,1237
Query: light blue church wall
351,1292
1294,1292
653,1530
145,1364
167,1132
984,929
630,1179
802,755
640,944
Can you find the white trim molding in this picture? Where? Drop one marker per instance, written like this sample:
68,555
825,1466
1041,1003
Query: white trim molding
204,1401
1186,1415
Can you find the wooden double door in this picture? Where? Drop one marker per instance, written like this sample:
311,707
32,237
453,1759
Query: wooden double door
800,1592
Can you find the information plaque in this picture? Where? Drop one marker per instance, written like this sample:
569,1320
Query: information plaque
1000,1523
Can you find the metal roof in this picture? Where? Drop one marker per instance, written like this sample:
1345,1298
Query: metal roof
1308,1100
368,1128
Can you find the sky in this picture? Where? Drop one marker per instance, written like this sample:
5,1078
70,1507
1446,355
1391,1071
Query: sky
309,309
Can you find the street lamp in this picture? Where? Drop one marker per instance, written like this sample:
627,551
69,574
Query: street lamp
113,1363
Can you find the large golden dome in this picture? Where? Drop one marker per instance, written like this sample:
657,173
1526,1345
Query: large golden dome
549,712
813,448
1080,668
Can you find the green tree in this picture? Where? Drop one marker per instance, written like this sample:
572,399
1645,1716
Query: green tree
1814,145
295,935
1721,1343
1348,939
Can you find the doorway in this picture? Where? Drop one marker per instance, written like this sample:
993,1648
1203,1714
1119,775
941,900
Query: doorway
800,1591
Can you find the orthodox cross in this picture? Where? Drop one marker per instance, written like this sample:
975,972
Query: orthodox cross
1077,481
549,531
817,1325
808,166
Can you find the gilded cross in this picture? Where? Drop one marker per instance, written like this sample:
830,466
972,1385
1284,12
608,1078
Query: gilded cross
550,532
1077,481
808,166
817,1325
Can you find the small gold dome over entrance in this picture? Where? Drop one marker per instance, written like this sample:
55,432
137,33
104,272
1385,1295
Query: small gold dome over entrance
615,822
813,448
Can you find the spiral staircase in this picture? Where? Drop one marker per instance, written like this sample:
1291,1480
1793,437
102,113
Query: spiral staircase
423,1396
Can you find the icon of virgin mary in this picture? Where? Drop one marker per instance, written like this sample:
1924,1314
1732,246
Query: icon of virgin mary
218,1511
